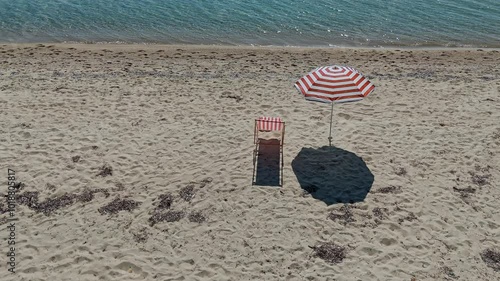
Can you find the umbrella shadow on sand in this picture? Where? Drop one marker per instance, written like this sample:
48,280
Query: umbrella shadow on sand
332,175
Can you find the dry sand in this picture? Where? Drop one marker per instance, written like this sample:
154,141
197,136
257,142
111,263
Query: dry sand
166,131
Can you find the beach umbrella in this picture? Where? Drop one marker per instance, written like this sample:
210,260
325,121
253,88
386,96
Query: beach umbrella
334,84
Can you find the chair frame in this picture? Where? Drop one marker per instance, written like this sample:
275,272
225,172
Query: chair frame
257,144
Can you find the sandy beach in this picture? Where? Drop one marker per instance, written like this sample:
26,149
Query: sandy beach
135,163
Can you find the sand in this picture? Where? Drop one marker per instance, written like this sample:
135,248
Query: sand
144,154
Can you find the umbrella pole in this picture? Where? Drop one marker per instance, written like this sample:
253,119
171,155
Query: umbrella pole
331,120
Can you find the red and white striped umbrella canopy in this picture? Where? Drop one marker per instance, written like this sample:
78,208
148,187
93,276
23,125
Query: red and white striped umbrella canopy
334,84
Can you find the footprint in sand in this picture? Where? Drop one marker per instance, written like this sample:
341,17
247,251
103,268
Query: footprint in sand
131,268
388,241
345,116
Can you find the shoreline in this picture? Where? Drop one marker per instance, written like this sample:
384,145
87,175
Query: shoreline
244,47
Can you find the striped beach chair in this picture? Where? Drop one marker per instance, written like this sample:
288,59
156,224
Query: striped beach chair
268,131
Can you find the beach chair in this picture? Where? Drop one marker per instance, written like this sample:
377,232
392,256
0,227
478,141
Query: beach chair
269,137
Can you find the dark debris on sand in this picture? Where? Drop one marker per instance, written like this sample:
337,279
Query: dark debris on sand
491,258
75,159
166,201
170,216
389,189
118,205
86,196
465,192
47,207
410,217
346,216
187,193
479,180
105,170
330,252
31,198
197,217
379,213
52,204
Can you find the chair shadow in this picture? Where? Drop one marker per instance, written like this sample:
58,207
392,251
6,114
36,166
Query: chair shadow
267,169
332,175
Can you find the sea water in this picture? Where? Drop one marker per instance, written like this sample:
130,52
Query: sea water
364,23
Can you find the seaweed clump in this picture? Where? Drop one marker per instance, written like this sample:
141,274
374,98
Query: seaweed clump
49,206
480,180
330,252
491,258
170,216
159,215
105,170
379,213
187,193
389,189
197,217
166,201
118,205
53,204
29,198
162,212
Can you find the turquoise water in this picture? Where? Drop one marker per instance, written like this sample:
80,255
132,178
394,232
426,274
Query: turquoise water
451,23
